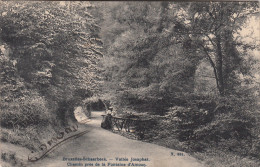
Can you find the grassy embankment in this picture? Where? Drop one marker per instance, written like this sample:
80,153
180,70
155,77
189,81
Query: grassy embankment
27,121
219,136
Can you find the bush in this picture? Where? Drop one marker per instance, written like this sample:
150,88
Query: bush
186,120
228,123
225,126
24,111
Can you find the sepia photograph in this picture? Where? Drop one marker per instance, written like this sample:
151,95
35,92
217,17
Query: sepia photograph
129,84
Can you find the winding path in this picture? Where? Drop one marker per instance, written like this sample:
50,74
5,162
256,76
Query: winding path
104,144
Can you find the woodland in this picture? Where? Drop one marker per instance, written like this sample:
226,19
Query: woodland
193,67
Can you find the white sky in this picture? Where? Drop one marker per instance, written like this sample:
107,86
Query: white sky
251,33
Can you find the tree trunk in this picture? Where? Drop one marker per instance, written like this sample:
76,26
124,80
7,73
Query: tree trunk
65,113
219,66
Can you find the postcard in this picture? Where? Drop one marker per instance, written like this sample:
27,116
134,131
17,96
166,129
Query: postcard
129,83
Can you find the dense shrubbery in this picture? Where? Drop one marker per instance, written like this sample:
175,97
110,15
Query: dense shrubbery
19,106
48,58
28,110
223,122
186,120
53,54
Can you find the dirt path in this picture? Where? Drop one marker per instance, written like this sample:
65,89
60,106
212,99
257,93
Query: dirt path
105,144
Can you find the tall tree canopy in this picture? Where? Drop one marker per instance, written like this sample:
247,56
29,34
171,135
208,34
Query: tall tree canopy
213,29
55,46
145,60
154,49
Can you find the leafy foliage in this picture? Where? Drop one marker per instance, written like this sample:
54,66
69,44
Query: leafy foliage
185,58
143,61
192,55
55,46
213,30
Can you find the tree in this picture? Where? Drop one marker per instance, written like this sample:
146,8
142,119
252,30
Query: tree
56,47
145,60
213,29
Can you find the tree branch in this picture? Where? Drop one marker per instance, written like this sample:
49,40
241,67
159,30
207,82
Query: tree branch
212,64
210,40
